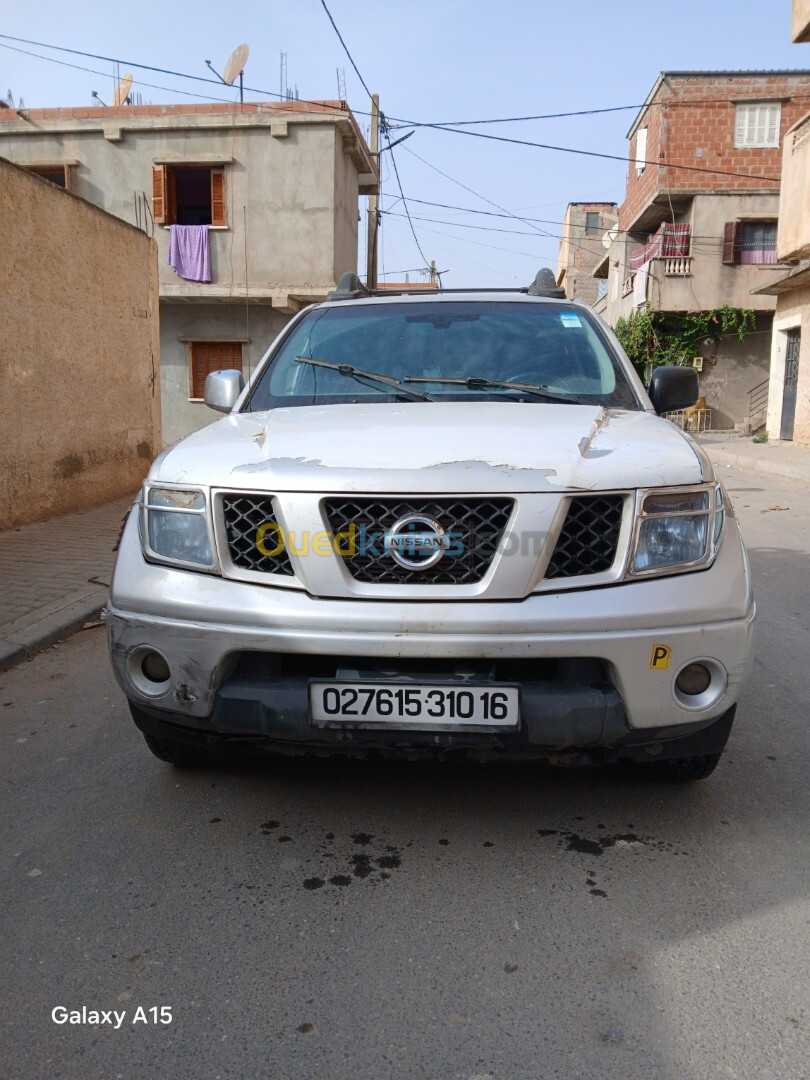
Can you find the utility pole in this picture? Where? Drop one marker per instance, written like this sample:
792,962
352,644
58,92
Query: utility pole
371,252
432,271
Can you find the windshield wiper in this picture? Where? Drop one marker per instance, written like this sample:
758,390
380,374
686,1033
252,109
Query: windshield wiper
359,373
475,382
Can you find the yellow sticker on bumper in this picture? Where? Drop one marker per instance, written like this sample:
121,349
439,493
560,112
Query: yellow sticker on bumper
659,659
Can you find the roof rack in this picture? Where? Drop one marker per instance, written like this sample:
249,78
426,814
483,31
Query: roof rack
350,287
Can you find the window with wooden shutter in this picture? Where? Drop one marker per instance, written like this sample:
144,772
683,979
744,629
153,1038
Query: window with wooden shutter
208,356
218,214
757,124
731,242
188,195
159,184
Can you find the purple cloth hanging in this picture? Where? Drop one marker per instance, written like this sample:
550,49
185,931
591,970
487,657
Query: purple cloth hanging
189,252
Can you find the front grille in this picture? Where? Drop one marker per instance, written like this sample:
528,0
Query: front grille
476,527
244,516
588,539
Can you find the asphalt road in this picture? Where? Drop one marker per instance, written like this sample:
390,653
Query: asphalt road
337,919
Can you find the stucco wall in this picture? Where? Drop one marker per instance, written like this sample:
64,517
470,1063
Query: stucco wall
711,283
800,23
181,323
78,352
346,217
793,241
291,198
792,313
731,368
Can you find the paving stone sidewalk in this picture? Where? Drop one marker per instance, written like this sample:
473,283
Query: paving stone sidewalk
54,577
740,451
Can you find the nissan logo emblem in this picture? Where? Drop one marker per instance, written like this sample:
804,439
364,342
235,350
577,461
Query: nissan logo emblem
416,542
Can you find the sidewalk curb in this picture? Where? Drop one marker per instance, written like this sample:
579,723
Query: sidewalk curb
757,464
28,636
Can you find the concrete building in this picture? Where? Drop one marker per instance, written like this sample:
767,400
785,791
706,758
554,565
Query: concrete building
79,393
276,185
581,248
789,390
697,227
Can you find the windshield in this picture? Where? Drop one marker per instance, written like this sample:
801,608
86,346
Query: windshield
462,351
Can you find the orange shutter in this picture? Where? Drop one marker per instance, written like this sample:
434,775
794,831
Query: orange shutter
208,356
218,215
159,194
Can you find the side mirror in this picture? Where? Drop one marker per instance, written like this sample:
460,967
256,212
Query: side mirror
673,388
222,389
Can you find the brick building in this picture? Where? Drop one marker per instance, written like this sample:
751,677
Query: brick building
697,227
584,227
275,187
789,392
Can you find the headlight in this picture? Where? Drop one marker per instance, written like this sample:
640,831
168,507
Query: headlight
177,527
677,529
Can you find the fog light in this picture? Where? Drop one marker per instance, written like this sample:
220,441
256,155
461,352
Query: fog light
693,680
155,668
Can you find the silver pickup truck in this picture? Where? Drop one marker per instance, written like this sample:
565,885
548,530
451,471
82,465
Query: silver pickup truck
444,523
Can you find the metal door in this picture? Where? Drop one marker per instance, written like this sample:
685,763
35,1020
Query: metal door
791,383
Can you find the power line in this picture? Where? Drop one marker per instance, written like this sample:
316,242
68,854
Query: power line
521,232
597,154
436,127
493,247
577,112
106,75
345,48
477,194
545,221
164,71
473,262
384,130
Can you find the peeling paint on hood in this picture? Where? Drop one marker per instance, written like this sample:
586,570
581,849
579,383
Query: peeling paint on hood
433,447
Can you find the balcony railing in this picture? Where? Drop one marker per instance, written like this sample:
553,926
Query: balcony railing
678,265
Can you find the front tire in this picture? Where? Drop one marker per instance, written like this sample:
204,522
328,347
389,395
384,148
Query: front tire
680,770
182,755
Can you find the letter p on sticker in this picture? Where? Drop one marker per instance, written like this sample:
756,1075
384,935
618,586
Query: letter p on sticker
659,658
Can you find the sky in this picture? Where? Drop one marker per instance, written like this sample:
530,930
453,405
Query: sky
430,61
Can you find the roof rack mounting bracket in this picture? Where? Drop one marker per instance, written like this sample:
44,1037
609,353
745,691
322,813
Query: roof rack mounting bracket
545,284
349,287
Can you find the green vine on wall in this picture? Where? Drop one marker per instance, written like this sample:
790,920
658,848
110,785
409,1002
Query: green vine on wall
652,338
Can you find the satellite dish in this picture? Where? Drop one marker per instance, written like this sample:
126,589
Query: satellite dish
610,236
121,94
235,64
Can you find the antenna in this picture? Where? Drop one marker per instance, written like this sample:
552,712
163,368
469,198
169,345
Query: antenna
9,103
234,65
282,82
341,83
121,95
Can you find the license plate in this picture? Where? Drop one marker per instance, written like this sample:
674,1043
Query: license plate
422,706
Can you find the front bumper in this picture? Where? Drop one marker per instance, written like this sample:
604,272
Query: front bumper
205,626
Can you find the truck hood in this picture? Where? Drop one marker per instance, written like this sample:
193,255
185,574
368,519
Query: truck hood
435,447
